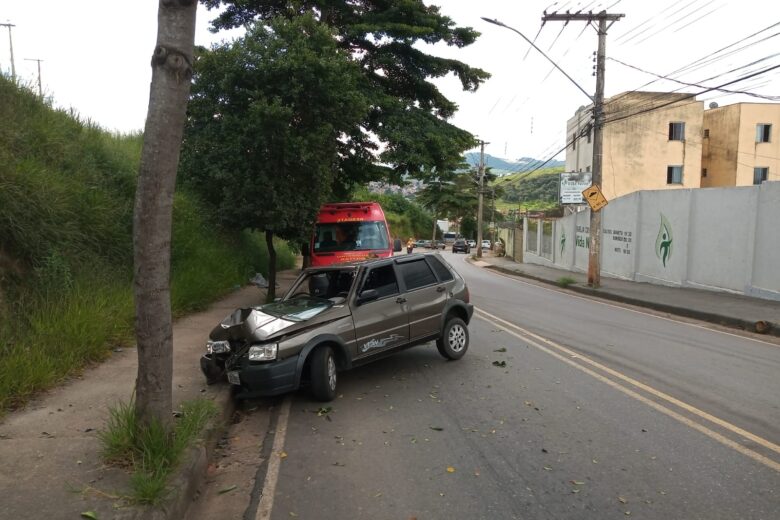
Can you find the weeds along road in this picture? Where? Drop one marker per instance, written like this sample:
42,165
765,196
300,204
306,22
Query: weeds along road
562,408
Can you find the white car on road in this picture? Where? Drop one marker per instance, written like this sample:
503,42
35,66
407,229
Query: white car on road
486,244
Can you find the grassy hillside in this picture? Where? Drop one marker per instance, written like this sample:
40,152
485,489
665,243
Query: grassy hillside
66,202
535,191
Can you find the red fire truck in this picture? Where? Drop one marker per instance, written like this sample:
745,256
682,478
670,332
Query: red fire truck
351,231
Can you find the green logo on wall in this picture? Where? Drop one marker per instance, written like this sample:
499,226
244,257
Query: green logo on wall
563,241
663,244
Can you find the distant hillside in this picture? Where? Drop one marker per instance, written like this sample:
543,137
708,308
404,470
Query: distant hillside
504,166
530,191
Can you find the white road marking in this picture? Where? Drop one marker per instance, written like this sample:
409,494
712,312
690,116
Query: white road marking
272,475
598,300
527,335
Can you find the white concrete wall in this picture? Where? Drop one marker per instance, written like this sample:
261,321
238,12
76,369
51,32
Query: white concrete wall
724,239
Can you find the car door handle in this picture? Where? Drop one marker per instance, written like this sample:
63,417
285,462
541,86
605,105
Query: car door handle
400,299
441,288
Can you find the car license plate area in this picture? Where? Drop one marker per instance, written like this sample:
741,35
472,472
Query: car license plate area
233,378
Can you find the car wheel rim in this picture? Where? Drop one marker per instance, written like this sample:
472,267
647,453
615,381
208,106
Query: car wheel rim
331,373
457,338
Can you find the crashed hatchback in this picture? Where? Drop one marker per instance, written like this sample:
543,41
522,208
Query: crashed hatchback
338,317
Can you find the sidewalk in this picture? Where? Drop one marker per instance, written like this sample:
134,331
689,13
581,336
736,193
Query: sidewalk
50,465
722,308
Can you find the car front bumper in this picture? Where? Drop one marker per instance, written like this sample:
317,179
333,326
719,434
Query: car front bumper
258,379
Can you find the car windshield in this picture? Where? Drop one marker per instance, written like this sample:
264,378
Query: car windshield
323,285
350,236
298,308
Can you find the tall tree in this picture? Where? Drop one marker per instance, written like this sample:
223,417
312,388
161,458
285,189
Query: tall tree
267,121
153,214
408,114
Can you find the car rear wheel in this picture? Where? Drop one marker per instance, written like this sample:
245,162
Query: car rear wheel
323,374
454,339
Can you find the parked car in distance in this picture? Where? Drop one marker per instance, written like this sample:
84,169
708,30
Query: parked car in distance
338,317
471,243
422,243
437,244
461,246
486,244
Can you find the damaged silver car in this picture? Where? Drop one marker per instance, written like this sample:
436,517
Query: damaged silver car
338,317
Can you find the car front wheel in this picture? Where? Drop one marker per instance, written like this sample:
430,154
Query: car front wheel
454,339
323,374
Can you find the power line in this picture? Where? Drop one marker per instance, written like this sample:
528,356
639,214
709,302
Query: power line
772,98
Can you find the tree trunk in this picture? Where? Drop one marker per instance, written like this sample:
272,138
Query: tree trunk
153,215
269,241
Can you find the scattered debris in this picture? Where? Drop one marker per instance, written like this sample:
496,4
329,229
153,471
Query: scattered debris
501,364
502,349
227,489
436,428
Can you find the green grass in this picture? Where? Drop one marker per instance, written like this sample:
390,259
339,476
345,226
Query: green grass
150,452
565,281
66,205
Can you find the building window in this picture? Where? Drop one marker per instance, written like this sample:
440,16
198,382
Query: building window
760,175
674,174
704,172
706,133
677,131
763,132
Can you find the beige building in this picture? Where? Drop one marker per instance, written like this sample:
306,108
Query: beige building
652,141
740,145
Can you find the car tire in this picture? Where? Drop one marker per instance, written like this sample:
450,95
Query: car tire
323,374
454,340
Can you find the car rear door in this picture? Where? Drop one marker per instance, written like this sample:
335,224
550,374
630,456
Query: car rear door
382,323
425,296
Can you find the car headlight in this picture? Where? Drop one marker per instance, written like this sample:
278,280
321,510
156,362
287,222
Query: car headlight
263,352
217,347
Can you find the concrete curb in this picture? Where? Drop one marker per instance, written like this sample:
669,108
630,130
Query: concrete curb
719,319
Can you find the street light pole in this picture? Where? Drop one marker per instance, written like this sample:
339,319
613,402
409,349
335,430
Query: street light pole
481,194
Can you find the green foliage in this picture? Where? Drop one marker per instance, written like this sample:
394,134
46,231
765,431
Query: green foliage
404,217
66,201
531,192
565,281
384,39
266,115
150,451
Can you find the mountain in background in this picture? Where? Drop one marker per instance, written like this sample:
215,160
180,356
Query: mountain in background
504,166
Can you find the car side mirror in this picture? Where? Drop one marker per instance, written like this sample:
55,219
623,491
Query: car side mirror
367,296
397,246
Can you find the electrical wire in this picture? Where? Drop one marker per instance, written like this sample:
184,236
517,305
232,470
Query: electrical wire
771,98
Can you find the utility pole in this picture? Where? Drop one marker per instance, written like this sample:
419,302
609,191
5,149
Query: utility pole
40,90
481,194
594,252
11,46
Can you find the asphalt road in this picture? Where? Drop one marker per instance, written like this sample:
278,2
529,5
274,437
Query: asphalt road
599,412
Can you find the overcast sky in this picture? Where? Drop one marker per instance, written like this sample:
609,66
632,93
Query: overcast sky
96,58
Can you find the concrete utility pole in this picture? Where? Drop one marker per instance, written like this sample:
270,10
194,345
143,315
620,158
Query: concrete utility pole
481,195
11,46
40,90
594,253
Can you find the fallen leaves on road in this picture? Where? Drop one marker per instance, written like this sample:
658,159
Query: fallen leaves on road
227,489
622,500
283,455
450,469
502,349
501,364
324,410
436,428
577,482
89,514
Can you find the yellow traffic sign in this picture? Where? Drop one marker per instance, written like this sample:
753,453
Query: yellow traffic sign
594,197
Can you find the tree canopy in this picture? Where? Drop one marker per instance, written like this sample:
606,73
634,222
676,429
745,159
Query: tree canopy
408,114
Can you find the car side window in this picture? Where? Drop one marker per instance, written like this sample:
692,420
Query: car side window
416,274
441,270
382,279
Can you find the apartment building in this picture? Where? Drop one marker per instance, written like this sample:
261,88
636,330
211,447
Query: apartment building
740,144
652,141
